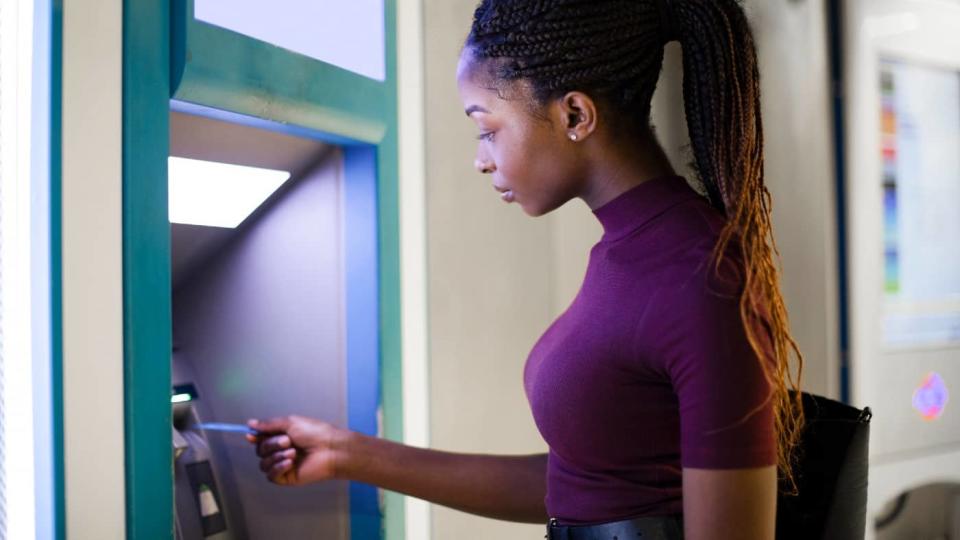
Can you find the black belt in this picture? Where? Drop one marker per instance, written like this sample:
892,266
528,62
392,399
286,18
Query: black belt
645,528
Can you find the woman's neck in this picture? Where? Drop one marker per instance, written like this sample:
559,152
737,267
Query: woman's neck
621,166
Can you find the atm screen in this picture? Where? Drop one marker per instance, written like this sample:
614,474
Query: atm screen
920,152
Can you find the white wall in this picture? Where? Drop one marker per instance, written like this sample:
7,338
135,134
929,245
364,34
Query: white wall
19,197
346,34
413,247
497,278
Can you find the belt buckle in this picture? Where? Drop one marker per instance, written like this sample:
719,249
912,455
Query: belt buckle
553,531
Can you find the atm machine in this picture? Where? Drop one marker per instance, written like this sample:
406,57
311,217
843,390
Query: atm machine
261,258
201,512
902,99
258,320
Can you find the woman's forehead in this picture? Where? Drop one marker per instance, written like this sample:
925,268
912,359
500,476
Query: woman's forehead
482,83
481,86
508,100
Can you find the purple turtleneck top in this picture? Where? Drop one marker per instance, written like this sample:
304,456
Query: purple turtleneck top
649,369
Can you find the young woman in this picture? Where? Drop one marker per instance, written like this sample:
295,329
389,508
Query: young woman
662,390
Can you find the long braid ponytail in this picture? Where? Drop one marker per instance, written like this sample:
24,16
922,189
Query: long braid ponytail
721,91
613,49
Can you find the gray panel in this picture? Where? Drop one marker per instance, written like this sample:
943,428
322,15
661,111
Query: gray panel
898,428
193,244
260,326
925,512
198,137
188,523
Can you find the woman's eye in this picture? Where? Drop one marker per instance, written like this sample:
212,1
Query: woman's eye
488,136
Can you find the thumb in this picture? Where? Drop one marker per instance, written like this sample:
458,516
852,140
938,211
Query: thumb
272,426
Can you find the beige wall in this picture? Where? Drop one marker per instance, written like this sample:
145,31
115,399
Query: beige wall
794,67
92,271
497,278
489,281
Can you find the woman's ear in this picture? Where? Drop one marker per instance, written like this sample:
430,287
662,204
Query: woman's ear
578,115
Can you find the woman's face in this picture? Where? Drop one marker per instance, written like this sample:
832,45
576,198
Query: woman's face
530,158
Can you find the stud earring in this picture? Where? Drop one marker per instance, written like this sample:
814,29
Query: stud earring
573,136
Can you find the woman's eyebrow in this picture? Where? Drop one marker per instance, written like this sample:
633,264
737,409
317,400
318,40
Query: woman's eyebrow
476,108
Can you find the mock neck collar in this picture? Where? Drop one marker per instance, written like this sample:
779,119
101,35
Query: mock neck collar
635,207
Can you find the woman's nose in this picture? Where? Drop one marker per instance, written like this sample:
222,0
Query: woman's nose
484,166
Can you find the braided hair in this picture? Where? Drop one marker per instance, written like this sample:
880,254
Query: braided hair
613,50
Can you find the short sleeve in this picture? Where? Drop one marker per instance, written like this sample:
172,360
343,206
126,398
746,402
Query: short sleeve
725,407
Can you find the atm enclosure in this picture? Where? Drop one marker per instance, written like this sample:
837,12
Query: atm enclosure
258,332
296,311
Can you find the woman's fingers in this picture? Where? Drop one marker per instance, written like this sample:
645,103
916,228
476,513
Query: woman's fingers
268,462
279,469
285,446
271,445
272,426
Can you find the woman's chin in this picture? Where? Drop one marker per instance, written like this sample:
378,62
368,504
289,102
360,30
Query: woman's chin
533,210
540,208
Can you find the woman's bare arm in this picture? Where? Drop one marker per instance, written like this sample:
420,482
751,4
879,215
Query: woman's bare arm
299,450
732,504
502,487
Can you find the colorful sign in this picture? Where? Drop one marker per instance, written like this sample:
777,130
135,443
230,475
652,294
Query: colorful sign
919,158
931,398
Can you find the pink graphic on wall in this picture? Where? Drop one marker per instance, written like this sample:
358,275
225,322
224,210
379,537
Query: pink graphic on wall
931,398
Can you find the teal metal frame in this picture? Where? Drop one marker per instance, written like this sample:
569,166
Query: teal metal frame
146,270
169,54
56,271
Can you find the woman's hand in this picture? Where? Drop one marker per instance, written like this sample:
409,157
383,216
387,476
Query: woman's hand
295,450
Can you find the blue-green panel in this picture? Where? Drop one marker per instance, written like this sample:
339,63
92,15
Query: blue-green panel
54,10
391,372
146,269
230,71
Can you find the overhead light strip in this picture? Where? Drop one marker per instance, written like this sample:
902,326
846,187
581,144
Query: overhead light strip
218,194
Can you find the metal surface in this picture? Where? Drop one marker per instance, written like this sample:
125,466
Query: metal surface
261,328
199,137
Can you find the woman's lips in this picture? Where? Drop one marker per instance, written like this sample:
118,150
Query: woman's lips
506,195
